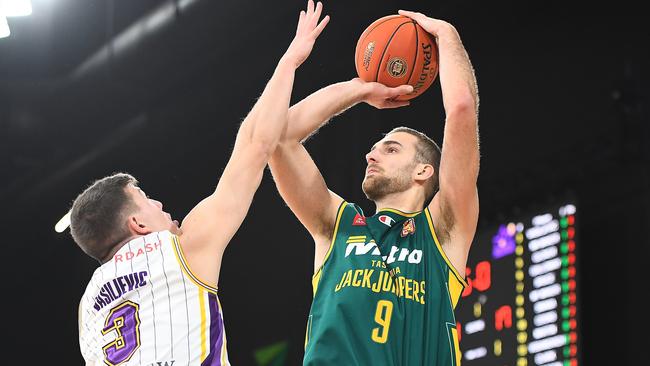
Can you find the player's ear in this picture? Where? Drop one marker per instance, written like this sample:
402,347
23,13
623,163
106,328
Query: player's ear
137,226
423,172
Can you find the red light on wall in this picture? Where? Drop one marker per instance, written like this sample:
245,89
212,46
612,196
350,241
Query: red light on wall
572,323
572,298
572,285
574,362
572,245
574,350
572,311
572,232
572,271
468,290
571,220
503,317
459,330
572,258
573,337
483,278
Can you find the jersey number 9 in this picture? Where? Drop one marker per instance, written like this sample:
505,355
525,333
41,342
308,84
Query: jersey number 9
382,317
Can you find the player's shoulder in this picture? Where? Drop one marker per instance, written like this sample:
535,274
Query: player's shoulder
345,207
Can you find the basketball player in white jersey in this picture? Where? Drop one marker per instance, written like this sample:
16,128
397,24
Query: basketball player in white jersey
153,300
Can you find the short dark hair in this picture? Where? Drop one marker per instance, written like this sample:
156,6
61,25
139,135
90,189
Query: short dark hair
98,215
426,152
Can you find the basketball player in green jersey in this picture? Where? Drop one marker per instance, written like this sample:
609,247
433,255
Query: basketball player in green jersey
386,285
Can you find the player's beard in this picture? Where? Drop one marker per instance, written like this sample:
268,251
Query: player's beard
378,186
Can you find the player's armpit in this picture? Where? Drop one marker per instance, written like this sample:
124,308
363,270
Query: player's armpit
455,221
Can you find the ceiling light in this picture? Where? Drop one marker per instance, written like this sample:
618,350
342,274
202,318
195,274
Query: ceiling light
63,223
16,8
4,27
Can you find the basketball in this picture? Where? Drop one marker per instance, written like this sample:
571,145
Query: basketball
395,50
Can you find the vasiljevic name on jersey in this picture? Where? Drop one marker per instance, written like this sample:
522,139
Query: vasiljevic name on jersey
114,289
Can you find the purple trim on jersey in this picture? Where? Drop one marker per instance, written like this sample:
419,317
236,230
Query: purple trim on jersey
216,333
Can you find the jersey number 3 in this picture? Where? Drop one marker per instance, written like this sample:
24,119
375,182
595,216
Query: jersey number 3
382,317
124,322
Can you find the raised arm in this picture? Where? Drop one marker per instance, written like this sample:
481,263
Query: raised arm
455,207
297,177
209,227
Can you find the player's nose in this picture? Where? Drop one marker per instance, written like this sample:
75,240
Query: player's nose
370,157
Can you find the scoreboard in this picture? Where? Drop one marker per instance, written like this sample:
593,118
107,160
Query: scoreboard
520,308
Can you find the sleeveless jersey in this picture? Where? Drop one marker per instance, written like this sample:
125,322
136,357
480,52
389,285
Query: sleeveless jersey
145,307
385,294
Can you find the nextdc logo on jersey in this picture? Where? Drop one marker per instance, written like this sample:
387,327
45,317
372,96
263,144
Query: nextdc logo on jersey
397,254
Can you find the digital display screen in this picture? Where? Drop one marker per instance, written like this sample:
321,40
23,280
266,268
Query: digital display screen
520,308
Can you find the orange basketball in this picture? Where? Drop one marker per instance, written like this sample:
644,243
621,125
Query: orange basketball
395,50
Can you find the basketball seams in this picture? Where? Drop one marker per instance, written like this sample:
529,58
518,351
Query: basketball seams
417,51
365,34
383,54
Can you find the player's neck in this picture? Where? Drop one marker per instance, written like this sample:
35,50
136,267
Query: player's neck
117,247
407,201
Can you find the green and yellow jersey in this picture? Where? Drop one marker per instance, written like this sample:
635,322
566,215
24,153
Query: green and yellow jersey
385,294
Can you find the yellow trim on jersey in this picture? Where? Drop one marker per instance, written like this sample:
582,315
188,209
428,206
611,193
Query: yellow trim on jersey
455,289
316,278
180,257
202,299
454,335
224,351
308,331
394,210
460,278
357,237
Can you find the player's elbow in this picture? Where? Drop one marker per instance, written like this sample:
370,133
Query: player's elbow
462,108
263,148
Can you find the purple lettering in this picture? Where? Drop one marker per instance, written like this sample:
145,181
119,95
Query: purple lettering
141,280
121,285
130,281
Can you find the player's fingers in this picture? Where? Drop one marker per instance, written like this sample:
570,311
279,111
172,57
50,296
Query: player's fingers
396,103
301,20
317,12
310,7
317,31
413,15
401,90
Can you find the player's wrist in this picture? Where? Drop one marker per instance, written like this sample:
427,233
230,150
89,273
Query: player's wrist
360,89
289,61
444,31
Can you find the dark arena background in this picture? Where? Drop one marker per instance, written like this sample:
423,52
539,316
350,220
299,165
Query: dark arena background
559,264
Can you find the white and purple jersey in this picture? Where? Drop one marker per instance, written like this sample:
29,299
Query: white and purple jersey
145,307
